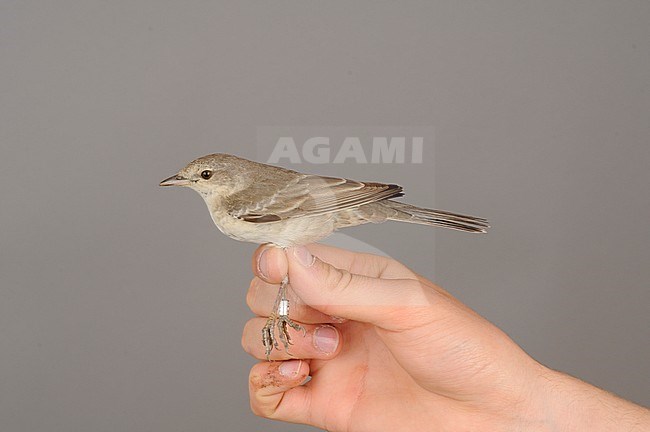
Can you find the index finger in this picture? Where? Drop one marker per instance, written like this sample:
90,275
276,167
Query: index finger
272,267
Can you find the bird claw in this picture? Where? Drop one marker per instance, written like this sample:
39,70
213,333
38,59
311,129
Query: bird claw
282,322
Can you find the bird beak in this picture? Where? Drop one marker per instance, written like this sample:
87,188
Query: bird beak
175,180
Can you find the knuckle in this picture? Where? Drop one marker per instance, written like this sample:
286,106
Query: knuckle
419,307
337,280
252,293
414,286
413,292
260,408
246,336
372,265
263,411
269,412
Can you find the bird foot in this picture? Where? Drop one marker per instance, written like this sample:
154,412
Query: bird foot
282,322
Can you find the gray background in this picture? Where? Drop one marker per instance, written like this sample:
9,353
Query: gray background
121,306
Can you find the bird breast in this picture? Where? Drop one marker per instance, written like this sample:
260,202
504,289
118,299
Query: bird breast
283,233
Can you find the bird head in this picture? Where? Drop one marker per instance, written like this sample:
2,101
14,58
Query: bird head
217,173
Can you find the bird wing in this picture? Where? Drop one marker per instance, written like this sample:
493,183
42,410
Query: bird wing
307,195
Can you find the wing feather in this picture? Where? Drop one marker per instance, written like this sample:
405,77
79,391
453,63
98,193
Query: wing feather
308,195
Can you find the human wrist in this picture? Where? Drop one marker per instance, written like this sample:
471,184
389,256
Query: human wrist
564,403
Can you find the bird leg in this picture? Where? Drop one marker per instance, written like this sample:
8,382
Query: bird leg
279,317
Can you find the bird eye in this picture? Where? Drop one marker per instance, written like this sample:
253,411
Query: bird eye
206,174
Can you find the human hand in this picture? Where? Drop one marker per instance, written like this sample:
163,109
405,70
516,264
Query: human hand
408,356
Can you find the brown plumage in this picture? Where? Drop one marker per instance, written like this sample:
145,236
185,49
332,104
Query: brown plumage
260,203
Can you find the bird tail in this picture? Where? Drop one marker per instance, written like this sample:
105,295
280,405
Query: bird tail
412,214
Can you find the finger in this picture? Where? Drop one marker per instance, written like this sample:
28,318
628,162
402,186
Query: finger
388,303
365,264
319,342
269,263
261,298
275,391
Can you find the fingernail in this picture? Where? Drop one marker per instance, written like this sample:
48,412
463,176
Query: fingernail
290,368
326,339
303,256
262,265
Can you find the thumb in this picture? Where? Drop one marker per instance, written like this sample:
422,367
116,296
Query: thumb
386,303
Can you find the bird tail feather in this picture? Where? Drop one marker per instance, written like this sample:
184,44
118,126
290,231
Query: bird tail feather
412,214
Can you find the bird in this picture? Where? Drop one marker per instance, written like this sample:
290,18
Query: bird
265,204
